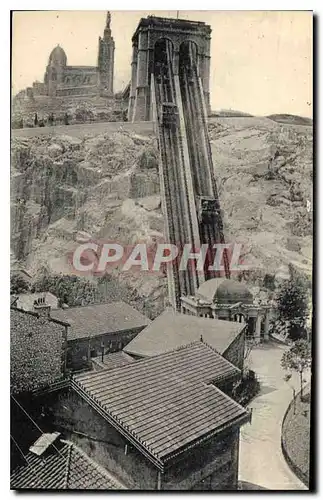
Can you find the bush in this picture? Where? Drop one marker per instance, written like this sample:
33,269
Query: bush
246,389
18,285
70,290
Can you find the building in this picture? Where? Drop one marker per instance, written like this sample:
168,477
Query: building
98,328
173,330
159,423
111,360
170,86
55,464
144,42
61,80
37,349
30,301
231,300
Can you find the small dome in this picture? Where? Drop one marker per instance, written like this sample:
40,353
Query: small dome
58,56
231,292
225,291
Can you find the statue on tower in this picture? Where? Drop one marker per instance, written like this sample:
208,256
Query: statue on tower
107,29
108,20
106,59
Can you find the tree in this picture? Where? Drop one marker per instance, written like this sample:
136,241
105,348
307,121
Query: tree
298,359
18,285
70,290
292,301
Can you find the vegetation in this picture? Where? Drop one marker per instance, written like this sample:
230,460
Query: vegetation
292,301
297,359
18,285
70,290
77,291
246,389
296,437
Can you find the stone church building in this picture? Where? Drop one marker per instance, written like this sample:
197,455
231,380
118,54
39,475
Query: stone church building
63,80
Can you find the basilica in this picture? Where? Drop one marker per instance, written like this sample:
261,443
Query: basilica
61,80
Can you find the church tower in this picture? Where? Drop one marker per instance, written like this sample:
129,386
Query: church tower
106,60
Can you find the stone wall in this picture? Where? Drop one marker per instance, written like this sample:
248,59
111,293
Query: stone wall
235,353
74,76
85,427
80,351
211,466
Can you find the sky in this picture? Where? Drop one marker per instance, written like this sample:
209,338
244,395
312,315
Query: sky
261,61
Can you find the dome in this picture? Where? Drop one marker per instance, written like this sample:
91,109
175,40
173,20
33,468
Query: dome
58,56
225,291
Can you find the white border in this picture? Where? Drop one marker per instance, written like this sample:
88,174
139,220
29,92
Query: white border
5,162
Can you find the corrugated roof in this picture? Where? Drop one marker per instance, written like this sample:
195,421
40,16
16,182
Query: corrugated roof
68,468
165,402
171,330
98,319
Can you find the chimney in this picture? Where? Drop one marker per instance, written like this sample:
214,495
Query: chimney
41,307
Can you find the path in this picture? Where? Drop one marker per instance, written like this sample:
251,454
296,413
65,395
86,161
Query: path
82,129
261,459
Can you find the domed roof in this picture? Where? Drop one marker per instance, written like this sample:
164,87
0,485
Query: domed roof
225,291
58,56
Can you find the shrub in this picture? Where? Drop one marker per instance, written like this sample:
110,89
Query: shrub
246,389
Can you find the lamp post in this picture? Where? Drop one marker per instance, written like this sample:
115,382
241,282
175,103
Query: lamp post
102,351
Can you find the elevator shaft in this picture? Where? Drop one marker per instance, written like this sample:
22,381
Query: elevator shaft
188,189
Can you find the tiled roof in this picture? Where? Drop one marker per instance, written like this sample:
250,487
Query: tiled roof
112,360
66,469
171,330
166,402
93,320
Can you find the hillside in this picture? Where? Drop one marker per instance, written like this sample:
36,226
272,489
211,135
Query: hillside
291,119
107,186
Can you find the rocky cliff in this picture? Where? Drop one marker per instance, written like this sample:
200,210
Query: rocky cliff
265,180
107,187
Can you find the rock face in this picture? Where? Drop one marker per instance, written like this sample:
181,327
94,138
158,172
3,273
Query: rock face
264,172
65,188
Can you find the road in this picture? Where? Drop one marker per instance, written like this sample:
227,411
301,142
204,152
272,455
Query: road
261,461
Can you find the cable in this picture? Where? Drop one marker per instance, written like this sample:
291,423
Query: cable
36,425
22,453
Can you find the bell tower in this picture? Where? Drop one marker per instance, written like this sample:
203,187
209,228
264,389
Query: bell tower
106,59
